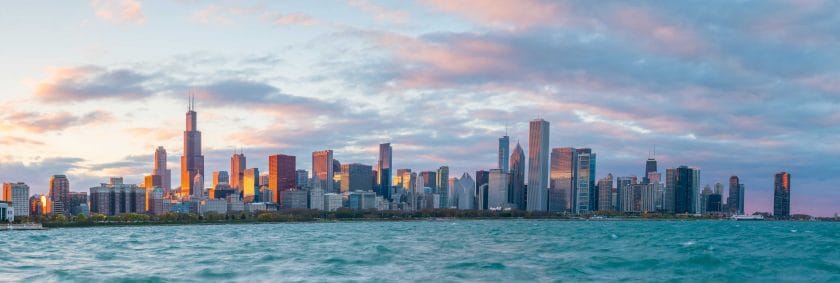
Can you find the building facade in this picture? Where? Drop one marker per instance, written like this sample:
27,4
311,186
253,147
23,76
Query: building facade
18,195
504,153
562,179
517,179
281,175
781,195
538,165
384,168
322,170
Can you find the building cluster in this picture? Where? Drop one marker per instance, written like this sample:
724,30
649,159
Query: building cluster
559,180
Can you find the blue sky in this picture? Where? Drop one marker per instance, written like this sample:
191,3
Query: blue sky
745,88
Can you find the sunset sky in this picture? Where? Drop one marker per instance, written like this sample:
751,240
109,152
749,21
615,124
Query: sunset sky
747,88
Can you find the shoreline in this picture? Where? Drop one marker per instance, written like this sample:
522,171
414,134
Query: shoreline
51,225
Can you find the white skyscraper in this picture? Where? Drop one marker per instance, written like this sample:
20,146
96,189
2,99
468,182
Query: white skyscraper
538,165
497,192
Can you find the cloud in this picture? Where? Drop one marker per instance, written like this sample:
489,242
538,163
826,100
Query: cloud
228,13
82,83
12,141
513,15
121,11
381,13
47,122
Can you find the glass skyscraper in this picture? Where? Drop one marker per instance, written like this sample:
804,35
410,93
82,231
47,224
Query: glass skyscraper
504,151
538,165
781,196
562,178
384,168
517,178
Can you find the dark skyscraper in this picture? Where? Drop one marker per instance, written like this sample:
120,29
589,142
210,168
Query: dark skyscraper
59,191
735,202
517,178
161,170
586,194
684,183
384,169
323,166
443,186
281,175
192,162
429,179
504,151
482,182
650,167
781,196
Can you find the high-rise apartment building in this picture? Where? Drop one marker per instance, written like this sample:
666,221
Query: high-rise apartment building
605,193
443,186
781,195
682,184
538,165
585,195
18,194
384,168
59,189
735,201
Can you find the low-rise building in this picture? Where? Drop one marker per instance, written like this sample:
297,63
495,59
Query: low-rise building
294,199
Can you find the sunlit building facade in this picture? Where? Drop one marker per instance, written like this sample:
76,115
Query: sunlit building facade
18,194
281,175
192,161
562,179
384,168
781,195
322,170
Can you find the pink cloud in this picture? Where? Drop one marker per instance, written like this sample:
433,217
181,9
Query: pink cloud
380,13
227,14
520,14
124,11
659,32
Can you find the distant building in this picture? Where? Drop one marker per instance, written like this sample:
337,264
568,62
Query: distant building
497,189
316,199
157,204
281,175
429,179
117,198
682,185
294,199
7,212
650,167
192,161
585,196
626,198
605,186
714,203
442,186
482,181
356,177
781,195
362,200
237,170
466,188
735,202
562,179
75,201
538,165
302,178
504,151
18,195
220,177
164,175
517,179
217,206
250,184
322,169
384,168
59,189
332,202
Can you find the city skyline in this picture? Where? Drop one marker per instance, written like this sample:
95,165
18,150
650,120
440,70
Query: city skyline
101,106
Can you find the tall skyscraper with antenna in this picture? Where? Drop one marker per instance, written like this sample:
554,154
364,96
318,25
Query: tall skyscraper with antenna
192,161
237,169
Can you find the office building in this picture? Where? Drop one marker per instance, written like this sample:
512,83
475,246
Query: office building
356,177
316,199
482,181
562,179
294,199
682,185
302,178
442,186
384,168
75,201
18,195
605,186
585,195
237,170
466,192
116,198
735,202
517,179
192,161
332,202
362,200
537,193
281,175
322,170
429,179
250,185
781,195
626,198
650,167
220,177
497,189
504,153
160,170
59,188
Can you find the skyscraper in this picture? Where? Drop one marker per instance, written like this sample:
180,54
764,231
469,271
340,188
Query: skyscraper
497,189
250,184
504,151
735,202
562,178
538,165
161,170
237,170
59,189
356,177
219,177
322,170
682,183
482,181
650,167
586,197
384,168
605,193
302,178
281,175
781,196
443,186
18,194
429,179
517,178
192,162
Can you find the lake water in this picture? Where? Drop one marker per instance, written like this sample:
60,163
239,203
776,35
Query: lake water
431,251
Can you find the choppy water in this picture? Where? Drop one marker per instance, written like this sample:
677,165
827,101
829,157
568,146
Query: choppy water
431,251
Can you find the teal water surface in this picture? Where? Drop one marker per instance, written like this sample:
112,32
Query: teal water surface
431,251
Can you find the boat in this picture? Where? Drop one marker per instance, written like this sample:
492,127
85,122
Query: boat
747,217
